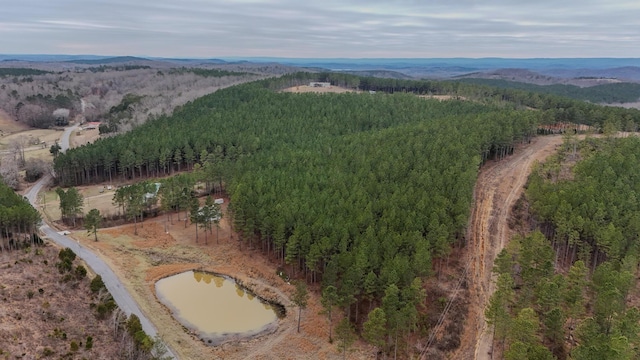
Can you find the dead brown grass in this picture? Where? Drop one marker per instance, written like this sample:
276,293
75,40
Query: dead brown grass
83,137
320,90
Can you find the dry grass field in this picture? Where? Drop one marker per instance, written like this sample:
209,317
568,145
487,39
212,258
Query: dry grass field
321,90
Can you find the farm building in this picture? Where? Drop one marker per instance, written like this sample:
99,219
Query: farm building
319,84
91,125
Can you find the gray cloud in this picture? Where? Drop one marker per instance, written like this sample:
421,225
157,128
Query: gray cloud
328,28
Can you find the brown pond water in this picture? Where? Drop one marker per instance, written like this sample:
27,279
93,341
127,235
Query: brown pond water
214,306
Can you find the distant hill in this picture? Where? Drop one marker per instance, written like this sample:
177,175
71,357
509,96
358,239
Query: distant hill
380,73
627,73
109,60
607,93
531,77
192,61
47,57
541,71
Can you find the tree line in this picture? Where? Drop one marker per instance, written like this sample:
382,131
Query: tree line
604,93
4,72
18,220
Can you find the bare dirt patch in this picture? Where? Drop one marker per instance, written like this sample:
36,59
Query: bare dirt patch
499,186
321,90
39,311
83,137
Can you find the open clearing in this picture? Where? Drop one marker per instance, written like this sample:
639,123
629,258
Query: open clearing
314,89
82,137
34,138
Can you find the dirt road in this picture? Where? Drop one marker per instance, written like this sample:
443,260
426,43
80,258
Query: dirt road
498,187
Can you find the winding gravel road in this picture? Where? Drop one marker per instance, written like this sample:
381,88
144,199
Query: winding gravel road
111,281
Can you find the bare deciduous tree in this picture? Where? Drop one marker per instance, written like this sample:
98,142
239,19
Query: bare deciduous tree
9,172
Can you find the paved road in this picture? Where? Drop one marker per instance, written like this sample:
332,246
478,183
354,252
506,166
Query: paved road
111,281
64,140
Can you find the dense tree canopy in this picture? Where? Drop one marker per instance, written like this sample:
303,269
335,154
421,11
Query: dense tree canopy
594,213
606,93
589,210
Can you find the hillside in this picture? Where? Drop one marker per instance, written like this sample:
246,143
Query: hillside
609,91
532,77
44,312
93,93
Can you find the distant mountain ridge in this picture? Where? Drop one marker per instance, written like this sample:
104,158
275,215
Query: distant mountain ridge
540,71
581,77
108,60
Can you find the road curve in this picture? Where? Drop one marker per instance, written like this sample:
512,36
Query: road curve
64,140
111,281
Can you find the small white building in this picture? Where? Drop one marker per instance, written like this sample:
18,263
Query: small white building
319,84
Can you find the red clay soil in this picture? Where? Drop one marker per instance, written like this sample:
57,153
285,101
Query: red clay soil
499,186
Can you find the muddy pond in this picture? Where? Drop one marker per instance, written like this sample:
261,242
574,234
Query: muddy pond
215,307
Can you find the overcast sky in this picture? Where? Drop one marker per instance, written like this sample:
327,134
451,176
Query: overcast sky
322,28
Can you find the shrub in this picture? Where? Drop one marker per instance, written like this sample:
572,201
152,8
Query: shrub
67,253
102,311
96,284
30,294
47,352
89,343
64,266
81,272
74,346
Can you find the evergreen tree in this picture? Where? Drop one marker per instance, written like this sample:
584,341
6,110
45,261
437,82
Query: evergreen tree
92,222
300,298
